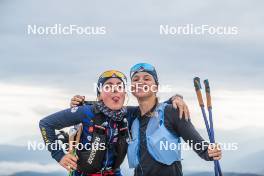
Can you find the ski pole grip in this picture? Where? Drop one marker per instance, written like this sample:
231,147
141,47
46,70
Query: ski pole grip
198,87
208,93
207,86
197,83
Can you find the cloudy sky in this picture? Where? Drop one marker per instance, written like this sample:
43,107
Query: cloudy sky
39,73
132,36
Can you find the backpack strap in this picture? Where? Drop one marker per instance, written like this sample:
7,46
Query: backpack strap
160,112
88,113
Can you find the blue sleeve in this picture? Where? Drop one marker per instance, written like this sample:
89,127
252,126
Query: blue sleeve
57,121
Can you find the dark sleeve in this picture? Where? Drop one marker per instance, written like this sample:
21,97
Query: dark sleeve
169,101
57,121
186,130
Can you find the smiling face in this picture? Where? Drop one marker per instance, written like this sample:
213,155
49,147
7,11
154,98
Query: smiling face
143,85
113,93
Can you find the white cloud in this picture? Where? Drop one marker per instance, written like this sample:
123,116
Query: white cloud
24,105
232,109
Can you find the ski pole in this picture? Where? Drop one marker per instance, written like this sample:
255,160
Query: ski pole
209,107
198,87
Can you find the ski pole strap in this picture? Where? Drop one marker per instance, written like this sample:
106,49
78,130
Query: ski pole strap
208,95
198,87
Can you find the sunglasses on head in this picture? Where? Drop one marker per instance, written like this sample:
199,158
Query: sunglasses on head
140,68
113,74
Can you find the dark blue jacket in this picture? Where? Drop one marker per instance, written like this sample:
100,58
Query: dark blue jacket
62,119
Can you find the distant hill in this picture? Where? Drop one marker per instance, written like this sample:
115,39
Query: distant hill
38,174
247,159
22,154
253,161
226,174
